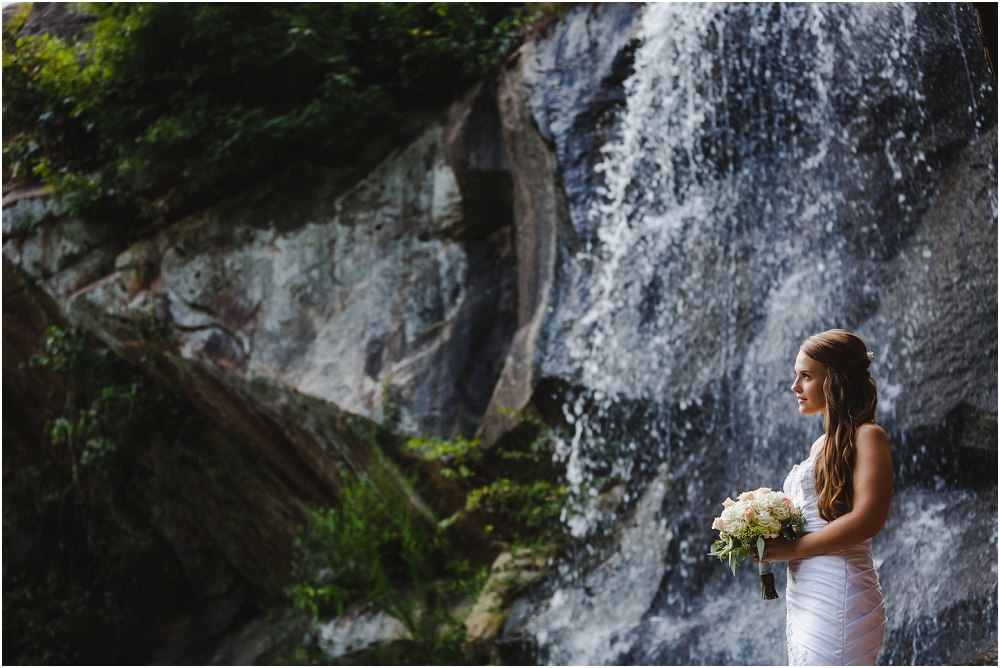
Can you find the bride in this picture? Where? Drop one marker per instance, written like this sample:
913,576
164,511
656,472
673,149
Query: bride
835,611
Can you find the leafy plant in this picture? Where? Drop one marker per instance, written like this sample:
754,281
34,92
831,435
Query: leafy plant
390,409
98,568
168,106
533,505
377,548
513,485
456,455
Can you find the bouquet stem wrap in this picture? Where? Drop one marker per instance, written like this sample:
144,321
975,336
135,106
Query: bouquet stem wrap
767,589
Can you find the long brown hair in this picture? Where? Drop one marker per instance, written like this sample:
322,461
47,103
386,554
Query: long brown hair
851,399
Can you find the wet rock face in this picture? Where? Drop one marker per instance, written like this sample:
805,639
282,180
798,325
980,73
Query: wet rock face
738,177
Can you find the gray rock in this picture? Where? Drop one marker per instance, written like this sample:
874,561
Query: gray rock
46,246
338,306
359,628
24,208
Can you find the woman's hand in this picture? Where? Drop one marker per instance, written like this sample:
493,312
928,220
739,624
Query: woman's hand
777,549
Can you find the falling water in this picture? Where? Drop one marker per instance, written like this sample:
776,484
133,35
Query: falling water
772,166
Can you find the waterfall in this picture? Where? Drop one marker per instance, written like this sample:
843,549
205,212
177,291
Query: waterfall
772,170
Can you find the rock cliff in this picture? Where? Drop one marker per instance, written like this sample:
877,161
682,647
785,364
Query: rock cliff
284,319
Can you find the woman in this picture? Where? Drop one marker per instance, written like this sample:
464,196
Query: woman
835,610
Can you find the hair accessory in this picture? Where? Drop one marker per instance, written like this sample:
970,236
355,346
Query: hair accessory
870,355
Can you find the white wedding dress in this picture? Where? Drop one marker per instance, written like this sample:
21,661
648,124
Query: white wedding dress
835,616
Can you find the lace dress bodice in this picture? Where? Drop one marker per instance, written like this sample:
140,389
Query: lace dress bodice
800,486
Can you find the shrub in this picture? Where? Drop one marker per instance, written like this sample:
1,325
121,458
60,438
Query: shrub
168,106
99,570
377,548
515,486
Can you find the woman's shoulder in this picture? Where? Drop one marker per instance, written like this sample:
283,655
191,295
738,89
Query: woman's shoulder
871,437
872,433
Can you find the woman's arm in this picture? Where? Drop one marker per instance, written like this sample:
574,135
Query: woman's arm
872,494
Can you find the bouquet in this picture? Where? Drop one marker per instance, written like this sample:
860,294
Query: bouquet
746,523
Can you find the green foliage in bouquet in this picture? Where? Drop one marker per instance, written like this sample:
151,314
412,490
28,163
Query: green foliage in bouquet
735,548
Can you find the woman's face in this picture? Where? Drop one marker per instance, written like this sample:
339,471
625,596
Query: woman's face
808,385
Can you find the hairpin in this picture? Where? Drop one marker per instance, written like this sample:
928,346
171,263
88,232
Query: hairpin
870,355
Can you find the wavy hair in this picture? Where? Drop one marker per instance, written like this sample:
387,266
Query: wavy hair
851,400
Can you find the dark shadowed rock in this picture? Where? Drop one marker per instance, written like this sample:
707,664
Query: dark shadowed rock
241,516
539,214
227,516
474,149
